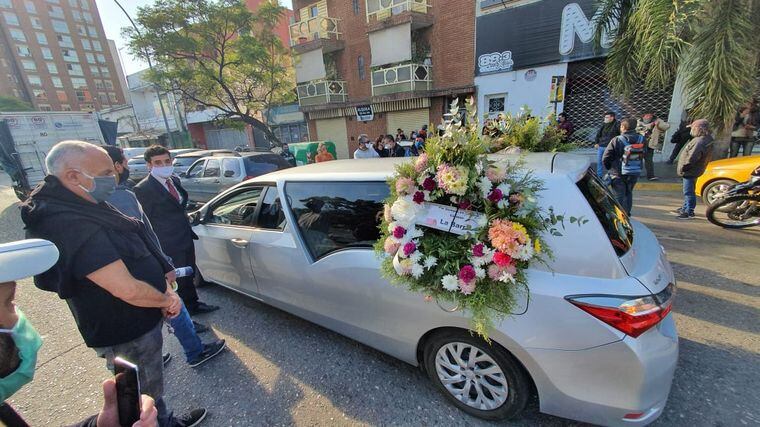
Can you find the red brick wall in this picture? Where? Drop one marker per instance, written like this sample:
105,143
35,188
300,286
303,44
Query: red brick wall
373,129
283,28
354,29
452,42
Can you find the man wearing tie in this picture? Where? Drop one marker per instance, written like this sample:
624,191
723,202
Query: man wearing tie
164,201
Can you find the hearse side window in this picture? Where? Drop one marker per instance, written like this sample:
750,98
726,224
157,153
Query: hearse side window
337,215
610,214
239,209
271,216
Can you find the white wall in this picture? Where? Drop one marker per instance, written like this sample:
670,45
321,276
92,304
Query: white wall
520,92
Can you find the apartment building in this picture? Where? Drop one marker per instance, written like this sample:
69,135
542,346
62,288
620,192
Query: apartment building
397,62
55,55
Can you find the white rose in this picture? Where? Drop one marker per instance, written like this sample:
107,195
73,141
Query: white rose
450,283
405,211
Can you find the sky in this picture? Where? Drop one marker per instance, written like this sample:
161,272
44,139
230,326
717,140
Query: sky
114,20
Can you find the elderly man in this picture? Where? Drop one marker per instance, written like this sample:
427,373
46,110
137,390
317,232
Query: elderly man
692,164
365,150
110,272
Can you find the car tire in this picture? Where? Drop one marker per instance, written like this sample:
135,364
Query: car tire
505,373
707,197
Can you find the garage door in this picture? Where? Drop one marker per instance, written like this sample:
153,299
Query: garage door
334,130
408,120
218,139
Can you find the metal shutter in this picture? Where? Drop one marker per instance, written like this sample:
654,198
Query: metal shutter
408,120
334,130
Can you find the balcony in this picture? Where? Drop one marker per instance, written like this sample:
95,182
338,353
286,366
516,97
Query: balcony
402,78
314,33
414,11
321,92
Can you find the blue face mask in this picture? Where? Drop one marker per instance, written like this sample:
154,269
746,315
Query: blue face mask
28,343
102,187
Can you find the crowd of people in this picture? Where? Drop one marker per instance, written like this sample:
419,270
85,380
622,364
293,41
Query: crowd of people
392,145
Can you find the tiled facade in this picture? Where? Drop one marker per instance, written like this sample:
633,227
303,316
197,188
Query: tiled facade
55,55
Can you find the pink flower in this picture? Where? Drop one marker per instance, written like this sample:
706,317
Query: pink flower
399,232
467,274
496,174
391,247
421,164
465,204
409,248
495,272
467,288
496,195
418,197
501,259
478,250
428,184
405,186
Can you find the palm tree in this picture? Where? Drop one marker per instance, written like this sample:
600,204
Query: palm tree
712,45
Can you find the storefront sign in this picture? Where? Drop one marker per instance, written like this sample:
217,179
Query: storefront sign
538,33
451,219
364,113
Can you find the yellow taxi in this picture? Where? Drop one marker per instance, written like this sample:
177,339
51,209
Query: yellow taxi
722,174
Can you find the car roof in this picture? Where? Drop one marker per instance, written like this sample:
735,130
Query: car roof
203,153
541,164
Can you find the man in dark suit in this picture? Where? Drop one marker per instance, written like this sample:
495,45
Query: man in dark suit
164,201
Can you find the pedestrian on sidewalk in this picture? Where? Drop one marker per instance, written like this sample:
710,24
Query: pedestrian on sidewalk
185,329
653,130
743,133
365,150
623,158
565,126
110,272
680,138
692,164
609,130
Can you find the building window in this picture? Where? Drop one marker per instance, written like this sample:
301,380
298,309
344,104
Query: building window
23,51
101,58
52,68
86,44
86,107
74,3
47,53
496,104
70,55
55,11
85,5
10,18
64,41
96,45
357,8
83,95
92,30
75,69
40,94
34,80
60,26
53,1
17,35
6,3
61,95
36,23
81,30
90,57
108,84
79,82
360,64
95,71
112,97
65,107
45,107
103,97
28,65
313,11
104,71
87,17
30,7
41,38
56,81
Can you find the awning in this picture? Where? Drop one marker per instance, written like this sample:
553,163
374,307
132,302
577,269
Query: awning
391,45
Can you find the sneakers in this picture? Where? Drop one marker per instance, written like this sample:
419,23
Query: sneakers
166,358
200,327
678,211
686,215
191,419
209,351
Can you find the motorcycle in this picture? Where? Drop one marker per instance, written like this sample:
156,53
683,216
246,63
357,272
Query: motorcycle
738,206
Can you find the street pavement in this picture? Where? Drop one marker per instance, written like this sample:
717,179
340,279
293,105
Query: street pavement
281,370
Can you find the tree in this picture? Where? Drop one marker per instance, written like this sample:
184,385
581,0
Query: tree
218,54
712,45
10,103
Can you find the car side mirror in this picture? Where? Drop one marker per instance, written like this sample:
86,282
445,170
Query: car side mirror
229,174
196,218
183,175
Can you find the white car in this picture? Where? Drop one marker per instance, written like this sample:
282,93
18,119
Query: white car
593,337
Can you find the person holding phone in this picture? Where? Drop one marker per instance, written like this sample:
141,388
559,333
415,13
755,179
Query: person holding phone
110,272
20,341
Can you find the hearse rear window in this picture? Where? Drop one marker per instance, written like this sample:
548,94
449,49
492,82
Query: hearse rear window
337,215
612,216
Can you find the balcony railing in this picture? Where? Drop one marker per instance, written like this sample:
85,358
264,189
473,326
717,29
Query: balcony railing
401,78
319,27
322,92
384,9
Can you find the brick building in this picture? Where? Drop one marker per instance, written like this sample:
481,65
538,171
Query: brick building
54,54
406,59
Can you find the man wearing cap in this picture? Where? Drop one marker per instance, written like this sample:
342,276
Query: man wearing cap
110,272
365,150
692,164
20,342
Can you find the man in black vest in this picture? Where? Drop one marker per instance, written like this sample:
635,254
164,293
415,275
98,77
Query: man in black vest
165,202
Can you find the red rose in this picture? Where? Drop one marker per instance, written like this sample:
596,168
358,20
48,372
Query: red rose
465,204
399,232
501,259
467,274
478,250
428,184
409,248
496,195
418,197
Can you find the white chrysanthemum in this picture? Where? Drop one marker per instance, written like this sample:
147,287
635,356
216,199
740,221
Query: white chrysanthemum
414,233
405,211
525,252
505,188
431,262
479,167
416,256
450,283
480,273
506,278
503,203
417,271
484,185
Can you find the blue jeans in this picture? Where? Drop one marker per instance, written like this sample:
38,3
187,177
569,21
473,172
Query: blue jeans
185,333
599,165
689,196
623,188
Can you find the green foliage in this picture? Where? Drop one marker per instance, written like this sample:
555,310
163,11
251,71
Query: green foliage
216,53
711,44
526,132
10,104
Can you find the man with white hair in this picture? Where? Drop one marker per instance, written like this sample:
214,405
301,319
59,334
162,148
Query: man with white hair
365,150
110,272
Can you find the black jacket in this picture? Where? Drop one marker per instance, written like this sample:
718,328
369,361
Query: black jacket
695,157
612,159
398,151
167,216
606,132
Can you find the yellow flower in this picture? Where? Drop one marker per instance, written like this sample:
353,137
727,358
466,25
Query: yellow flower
537,246
519,228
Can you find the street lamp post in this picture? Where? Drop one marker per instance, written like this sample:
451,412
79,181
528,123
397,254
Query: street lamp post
150,65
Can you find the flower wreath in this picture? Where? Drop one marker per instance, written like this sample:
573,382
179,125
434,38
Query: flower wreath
500,226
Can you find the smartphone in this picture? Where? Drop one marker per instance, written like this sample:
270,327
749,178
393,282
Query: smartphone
127,391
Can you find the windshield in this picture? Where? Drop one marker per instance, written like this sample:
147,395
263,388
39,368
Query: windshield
184,161
610,214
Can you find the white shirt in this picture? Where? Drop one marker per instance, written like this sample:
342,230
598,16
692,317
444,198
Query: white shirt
369,153
166,187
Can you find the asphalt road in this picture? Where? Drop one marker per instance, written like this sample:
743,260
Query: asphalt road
281,370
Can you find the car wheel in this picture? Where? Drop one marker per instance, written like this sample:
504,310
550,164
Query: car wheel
481,379
713,189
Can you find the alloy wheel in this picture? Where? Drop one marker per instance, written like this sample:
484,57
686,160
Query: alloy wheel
471,376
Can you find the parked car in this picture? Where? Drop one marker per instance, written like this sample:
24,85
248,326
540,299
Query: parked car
177,151
724,173
592,336
182,162
138,169
134,152
211,175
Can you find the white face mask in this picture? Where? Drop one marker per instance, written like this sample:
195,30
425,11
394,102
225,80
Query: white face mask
162,172
608,120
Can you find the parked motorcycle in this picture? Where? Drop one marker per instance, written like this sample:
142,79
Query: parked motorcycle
739,206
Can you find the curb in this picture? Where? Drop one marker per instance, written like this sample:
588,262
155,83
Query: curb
659,186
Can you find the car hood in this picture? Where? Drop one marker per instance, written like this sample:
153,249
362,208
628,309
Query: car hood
736,163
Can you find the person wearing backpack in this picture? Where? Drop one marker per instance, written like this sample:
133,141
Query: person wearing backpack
623,158
692,164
